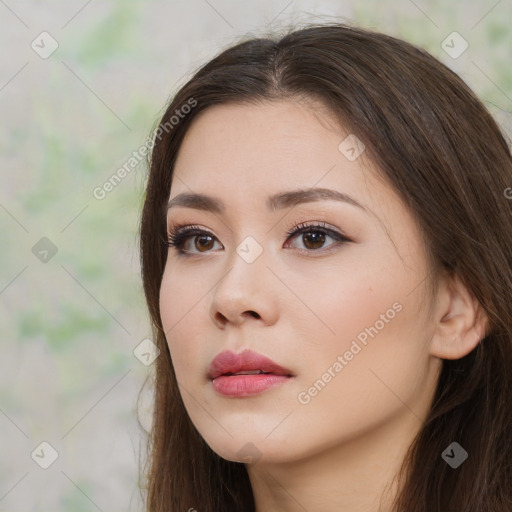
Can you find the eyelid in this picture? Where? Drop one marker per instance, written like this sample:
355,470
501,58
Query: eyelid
319,224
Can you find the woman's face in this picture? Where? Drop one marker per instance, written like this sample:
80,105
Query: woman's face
331,288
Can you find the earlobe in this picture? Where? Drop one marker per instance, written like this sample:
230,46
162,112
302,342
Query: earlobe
460,320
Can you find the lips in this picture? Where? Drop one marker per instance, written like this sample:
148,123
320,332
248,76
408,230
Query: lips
245,363
246,374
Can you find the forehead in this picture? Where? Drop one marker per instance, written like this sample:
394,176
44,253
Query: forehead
268,145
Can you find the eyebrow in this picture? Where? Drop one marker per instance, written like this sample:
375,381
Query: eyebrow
278,201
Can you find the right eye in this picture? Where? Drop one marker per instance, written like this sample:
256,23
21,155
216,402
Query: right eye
182,238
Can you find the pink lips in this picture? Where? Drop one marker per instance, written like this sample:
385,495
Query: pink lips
239,375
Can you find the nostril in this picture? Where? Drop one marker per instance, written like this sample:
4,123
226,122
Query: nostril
221,320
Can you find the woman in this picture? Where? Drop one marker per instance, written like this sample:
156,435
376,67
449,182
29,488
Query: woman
326,255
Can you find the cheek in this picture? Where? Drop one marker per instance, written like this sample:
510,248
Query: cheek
181,307
344,302
369,318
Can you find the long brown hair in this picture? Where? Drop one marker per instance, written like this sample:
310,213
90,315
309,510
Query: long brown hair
435,142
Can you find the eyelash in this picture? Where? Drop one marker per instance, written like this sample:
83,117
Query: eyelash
179,234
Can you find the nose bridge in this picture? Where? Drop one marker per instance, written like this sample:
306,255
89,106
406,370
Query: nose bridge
247,266
244,287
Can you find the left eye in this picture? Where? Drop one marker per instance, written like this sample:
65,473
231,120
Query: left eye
314,237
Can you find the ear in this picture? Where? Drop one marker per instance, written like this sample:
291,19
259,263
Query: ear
460,320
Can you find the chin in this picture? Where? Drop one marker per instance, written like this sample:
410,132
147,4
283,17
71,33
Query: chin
248,449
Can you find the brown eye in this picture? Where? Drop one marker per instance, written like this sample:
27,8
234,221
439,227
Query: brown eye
313,239
203,243
191,240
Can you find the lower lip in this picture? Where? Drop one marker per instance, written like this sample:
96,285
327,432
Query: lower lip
247,385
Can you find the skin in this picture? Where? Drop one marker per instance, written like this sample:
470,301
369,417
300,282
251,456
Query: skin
303,307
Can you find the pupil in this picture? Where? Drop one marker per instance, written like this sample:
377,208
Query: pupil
316,238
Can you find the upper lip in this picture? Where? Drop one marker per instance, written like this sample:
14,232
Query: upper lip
228,362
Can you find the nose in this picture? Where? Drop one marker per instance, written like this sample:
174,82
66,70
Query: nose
245,293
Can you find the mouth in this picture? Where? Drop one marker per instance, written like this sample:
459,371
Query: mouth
248,372
245,374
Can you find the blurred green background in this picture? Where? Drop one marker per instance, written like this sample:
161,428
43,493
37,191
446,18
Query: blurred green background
71,305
